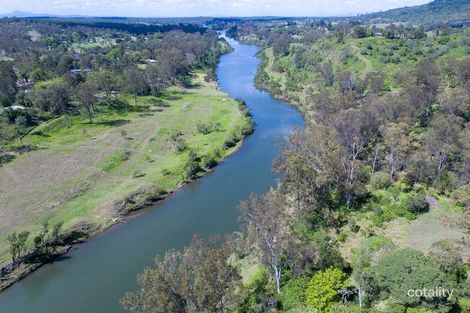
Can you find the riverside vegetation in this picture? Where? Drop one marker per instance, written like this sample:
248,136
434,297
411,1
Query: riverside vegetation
373,197
97,122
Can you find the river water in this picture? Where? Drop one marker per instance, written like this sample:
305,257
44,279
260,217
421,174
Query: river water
94,277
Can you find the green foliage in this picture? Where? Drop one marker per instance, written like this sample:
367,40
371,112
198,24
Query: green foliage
395,201
380,180
259,293
435,12
462,196
323,287
406,270
370,250
17,244
192,165
205,128
342,237
464,305
293,293
419,204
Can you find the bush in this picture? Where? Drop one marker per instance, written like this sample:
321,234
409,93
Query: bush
293,293
258,295
322,290
462,196
391,203
419,204
464,305
232,140
209,162
204,128
380,180
465,221
342,237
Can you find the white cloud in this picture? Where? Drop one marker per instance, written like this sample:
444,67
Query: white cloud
157,8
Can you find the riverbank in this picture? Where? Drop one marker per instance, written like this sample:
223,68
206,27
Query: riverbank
91,176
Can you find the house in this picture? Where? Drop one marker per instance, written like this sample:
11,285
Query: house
78,71
13,107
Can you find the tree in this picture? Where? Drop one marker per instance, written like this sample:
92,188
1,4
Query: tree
398,143
345,80
408,269
8,80
310,169
353,135
281,44
17,244
54,98
421,85
103,81
323,289
266,223
134,82
199,279
156,78
442,140
192,165
85,95
455,101
375,81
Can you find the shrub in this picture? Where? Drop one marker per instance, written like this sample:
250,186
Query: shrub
258,295
464,305
462,196
342,237
232,140
138,173
380,180
204,128
209,162
465,221
322,290
419,204
293,293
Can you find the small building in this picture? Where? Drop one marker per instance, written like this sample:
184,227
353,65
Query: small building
13,108
78,71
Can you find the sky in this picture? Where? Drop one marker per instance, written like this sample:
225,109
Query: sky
186,8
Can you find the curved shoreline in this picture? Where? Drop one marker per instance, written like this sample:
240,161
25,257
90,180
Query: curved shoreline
103,269
11,273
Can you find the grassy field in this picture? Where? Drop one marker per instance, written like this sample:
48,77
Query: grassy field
80,171
417,232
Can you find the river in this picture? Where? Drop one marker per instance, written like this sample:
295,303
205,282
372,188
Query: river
94,277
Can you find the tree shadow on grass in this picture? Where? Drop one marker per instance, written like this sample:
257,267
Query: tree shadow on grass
113,123
5,158
40,134
173,95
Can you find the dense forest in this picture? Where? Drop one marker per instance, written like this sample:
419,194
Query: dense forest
373,197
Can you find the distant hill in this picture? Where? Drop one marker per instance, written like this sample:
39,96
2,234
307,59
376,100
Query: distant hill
23,14
435,12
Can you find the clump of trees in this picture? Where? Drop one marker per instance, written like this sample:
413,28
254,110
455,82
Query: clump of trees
44,246
199,279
